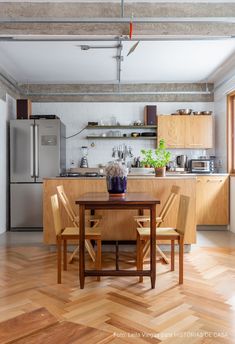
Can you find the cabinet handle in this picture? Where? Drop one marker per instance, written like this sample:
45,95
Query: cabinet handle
214,180
195,144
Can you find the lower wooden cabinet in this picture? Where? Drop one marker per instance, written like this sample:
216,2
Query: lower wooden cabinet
212,200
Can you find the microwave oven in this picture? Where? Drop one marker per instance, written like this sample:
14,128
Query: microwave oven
201,166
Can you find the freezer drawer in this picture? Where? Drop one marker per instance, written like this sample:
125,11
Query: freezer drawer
26,205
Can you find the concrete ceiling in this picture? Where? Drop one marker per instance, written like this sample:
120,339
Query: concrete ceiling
152,61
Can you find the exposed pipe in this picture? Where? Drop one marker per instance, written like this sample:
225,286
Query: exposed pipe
45,38
119,61
148,20
122,8
12,83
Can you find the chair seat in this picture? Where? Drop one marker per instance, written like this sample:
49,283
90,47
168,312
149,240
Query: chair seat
71,231
143,218
145,231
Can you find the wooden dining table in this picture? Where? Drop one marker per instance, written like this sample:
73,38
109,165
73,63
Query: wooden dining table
132,200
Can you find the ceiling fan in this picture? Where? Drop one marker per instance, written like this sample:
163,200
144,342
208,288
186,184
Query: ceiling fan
132,49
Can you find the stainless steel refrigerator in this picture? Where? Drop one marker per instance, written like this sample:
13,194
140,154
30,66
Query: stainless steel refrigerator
37,150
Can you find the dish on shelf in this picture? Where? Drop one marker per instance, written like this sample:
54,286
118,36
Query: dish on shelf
148,134
207,112
135,134
184,111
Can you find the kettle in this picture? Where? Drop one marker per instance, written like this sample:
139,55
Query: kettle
181,161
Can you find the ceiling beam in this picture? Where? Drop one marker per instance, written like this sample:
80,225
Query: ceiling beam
112,19
112,9
198,92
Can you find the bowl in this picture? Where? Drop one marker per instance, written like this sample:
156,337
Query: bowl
207,112
184,111
135,134
197,113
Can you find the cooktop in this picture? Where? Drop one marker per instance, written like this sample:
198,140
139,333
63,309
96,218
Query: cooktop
78,174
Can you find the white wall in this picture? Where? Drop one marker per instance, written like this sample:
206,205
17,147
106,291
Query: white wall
220,104
232,204
76,115
7,112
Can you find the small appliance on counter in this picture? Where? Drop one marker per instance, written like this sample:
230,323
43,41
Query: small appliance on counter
84,161
182,162
202,166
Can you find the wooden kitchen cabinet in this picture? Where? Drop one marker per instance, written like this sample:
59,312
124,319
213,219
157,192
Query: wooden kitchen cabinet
172,130
212,200
116,224
186,131
198,132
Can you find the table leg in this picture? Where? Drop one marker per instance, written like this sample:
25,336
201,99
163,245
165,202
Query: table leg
152,245
81,245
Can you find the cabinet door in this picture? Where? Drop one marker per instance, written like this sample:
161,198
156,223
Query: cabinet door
199,132
212,200
172,130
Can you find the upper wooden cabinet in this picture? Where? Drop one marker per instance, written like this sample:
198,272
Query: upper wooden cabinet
186,131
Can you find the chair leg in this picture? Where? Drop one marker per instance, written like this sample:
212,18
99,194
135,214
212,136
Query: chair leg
138,253
59,260
172,255
90,249
65,254
73,254
181,260
98,257
141,259
162,254
146,249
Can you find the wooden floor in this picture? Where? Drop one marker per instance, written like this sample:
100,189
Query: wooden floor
121,310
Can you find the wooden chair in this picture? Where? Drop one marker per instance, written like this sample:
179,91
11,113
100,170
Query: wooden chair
143,220
94,220
71,233
171,234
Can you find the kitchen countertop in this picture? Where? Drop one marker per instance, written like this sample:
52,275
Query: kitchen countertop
150,176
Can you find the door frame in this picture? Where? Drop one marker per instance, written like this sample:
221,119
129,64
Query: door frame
231,132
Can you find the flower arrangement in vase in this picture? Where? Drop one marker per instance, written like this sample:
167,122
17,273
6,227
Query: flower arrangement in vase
116,178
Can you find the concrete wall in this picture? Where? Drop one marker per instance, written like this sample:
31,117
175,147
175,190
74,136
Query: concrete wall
76,115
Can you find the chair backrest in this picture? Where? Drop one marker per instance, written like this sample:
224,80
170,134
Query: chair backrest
170,201
65,201
183,214
56,214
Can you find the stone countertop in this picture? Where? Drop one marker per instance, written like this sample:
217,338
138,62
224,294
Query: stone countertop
150,176
129,177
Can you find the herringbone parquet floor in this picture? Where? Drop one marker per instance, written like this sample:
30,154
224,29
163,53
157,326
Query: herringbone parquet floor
200,311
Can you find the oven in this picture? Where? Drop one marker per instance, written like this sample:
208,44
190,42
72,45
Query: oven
201,166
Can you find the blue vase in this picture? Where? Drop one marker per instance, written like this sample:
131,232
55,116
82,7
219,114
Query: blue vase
116,185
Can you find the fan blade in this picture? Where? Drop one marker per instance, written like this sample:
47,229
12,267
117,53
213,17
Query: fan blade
133,48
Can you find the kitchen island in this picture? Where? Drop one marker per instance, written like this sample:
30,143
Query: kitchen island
120,225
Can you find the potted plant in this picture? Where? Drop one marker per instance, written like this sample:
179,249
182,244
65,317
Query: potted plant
116,178
157,159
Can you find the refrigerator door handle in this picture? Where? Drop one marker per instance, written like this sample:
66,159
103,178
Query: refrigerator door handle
36,151
31,151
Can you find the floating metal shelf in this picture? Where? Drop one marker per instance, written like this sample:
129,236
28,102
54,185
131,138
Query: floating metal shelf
122,137
121,127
